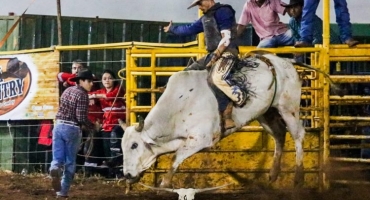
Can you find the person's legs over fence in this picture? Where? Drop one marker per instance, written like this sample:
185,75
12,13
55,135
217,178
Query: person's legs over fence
343,20
306,31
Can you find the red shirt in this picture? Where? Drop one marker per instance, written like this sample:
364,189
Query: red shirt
265,19
95,110
114,107
64,76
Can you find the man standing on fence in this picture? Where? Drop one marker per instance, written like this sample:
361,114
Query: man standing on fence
72,114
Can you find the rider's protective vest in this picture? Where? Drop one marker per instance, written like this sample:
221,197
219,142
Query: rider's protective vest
212,33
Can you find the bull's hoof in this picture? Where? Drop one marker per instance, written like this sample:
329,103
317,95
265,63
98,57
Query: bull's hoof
274,173
298,180
165,184
299,177
128,188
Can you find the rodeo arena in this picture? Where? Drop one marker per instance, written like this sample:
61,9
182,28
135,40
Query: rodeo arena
210,113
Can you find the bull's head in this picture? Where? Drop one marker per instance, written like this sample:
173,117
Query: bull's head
185,193
138,153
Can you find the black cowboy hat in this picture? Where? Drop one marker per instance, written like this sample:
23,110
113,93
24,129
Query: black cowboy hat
16,69
83,74
292,3
13,65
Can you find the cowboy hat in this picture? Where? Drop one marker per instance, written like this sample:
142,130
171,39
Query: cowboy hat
292,3
83,74
13,65
195,2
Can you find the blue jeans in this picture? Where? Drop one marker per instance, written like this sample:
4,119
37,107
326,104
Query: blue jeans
66,141
341,14
285,39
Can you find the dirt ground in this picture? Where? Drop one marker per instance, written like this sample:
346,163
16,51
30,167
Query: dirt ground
37,186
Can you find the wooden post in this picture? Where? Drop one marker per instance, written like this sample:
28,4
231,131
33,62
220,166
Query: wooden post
59,23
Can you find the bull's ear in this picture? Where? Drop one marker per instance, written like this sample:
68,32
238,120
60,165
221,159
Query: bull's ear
122,124
147,139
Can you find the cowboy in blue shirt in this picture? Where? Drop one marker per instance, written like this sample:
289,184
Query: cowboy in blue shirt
219,26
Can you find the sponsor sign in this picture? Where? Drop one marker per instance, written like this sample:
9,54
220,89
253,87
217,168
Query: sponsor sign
28,86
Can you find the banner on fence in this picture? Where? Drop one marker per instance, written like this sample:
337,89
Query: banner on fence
28,86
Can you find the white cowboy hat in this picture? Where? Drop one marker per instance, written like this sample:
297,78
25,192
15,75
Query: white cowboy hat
195,2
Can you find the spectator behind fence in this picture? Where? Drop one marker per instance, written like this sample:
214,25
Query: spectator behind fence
92,148
95,110
342,18
45,135
65,77
71,115
114,107
264,17
294,10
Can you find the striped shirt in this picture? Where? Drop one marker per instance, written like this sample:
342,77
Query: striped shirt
73,106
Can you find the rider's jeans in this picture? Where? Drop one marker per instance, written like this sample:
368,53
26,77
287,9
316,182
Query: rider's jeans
219,74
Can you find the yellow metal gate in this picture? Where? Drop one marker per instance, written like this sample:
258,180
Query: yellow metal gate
345,165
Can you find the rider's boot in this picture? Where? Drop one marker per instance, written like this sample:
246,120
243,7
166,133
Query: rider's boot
226,115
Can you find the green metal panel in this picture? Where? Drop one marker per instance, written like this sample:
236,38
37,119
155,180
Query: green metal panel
358,30
6,147
25,137
16,141
12,42
118,35
80,31
49,28
41,31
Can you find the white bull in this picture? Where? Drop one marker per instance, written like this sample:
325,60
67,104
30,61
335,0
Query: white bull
186,119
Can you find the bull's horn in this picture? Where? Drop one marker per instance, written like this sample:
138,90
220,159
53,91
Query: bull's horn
157,188
212,188
122,124
140,127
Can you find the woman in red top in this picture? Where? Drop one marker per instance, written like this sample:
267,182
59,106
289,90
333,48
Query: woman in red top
93,144
95,111
114,107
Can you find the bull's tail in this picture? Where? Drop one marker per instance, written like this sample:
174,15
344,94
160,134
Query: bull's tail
336,89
